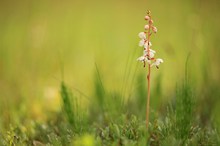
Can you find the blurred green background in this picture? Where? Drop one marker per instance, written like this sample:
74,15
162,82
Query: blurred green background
39,38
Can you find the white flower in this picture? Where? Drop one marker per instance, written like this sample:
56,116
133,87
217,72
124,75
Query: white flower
144,59
142,35
146,27
151,53
146,44
145,52
141,43
157,62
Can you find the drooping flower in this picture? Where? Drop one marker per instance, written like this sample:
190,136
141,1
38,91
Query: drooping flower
146,44
151,53
144,59
157,63
142,35
142,42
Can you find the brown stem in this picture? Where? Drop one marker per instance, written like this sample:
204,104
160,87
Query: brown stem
148,98
148,77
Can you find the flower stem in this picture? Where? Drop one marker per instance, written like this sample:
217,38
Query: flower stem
148,76
148,98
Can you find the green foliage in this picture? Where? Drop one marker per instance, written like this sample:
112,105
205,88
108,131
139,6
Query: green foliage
139,104
98,103
111,122
131,132
184,111
105,105
76,116
184,108
67,107
128,130
14,137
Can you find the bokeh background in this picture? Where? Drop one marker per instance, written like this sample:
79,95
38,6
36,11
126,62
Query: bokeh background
41,39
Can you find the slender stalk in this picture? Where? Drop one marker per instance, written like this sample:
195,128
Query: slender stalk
148,98
148,76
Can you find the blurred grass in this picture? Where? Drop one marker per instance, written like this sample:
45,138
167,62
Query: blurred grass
36,36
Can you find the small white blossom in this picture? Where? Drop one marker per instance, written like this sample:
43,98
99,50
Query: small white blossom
141,43
151,53
145,52
146,44
157,62
144,59
142,35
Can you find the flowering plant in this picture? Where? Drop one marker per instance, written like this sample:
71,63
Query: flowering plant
148,55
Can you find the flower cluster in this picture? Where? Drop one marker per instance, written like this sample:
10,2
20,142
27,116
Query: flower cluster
148,53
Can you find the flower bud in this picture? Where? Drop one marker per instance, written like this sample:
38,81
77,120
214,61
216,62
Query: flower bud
146,27
154,29
147,18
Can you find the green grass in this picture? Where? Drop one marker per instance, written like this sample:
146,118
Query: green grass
105,123
67,107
